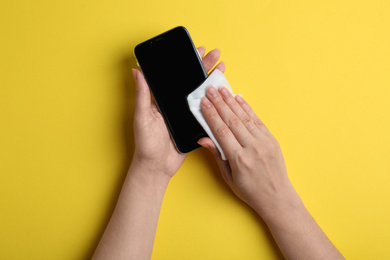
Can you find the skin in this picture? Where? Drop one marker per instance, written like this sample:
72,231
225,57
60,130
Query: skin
255,171
131,230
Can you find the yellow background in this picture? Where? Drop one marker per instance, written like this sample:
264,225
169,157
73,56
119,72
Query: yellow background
316,72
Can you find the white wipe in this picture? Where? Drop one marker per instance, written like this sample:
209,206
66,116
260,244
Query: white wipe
216,79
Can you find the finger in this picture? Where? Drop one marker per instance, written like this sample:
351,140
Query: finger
229,118
221,131
223,165
201,51
245,119
142,97
209,144
221,67
211,59
154,107
246,107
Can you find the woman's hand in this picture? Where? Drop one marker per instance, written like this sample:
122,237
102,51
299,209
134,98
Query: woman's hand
132,228
255,169
256,172
154,149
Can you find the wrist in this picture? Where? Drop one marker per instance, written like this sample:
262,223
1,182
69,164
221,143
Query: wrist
153,164
149,179
280,206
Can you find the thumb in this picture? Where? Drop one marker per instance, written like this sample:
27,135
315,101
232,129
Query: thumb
142,97
209,145
223,165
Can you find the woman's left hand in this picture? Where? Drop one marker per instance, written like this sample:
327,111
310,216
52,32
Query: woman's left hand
154,149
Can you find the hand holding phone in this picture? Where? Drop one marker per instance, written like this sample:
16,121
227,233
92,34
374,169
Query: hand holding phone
173,68
153,145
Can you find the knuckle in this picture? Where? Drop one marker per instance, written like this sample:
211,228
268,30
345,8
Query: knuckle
241,158
249,123
222,131
246,120
230,101
212,114
246,108
276,145
266,150
271,148
218,101
245,162
258,123
251,127
261,152
233,122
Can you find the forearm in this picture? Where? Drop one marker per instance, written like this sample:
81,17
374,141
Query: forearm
296,232
132,228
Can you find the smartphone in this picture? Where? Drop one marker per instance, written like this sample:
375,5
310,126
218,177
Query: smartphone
173,69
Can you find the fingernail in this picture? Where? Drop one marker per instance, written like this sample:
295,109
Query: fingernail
134,74
239,99
224,92
206,103
203,143
212,91
200,142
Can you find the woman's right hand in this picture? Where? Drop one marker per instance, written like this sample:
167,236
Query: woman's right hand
256,172
255,169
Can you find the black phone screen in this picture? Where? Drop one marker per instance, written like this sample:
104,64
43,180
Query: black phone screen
173,69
